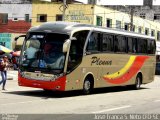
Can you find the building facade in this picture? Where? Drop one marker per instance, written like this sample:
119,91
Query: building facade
148,9
96,15
144,12
44,12
15,19
15,1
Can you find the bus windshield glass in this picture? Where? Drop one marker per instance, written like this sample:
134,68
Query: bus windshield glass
43,52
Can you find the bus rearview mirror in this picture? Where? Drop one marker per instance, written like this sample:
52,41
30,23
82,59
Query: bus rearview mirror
66,46
16,38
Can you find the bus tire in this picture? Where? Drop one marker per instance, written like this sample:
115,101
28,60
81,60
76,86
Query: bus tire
138,82
87,85
47,91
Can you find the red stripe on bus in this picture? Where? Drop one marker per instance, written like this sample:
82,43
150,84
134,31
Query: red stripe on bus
138,63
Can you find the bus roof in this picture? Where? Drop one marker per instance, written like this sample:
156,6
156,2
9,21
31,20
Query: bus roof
58,27
69,27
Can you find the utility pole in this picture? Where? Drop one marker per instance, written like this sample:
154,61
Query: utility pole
131,14
64,9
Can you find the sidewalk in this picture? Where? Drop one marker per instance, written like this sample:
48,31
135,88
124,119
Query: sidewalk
11,74
12,71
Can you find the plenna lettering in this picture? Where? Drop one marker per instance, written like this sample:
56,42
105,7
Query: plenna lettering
98,61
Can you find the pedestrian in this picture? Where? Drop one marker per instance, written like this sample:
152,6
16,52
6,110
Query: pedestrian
14,62
3,68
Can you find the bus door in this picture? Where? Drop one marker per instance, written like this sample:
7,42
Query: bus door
94,56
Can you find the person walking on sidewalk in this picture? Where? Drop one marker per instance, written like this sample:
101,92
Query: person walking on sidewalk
3,68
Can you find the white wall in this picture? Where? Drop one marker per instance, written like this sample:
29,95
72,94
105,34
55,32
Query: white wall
16,10
14,1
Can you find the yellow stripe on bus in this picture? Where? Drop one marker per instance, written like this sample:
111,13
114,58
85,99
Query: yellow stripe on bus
123,70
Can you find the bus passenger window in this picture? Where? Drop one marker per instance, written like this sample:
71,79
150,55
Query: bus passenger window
129,45
142,46
93,43
120,44
151,47
107,43
115,45
134,42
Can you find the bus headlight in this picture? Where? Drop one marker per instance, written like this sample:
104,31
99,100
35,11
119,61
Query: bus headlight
55,77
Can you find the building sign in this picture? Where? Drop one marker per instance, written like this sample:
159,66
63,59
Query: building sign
5,40
78,15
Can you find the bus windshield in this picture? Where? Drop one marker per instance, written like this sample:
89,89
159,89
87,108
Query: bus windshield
43,52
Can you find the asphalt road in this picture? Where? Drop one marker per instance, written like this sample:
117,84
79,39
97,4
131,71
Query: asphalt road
76,106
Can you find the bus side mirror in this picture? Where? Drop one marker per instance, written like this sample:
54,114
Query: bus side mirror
16,38
66,45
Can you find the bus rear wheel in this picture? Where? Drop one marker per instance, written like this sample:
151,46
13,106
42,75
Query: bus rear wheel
87,86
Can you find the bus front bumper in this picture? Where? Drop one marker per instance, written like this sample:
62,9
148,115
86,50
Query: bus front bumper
57,85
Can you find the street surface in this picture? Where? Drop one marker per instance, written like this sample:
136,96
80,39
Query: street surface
118,100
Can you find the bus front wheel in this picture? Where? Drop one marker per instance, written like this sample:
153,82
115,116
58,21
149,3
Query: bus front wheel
87,86
47,91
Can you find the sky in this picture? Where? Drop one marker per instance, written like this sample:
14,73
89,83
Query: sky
121,2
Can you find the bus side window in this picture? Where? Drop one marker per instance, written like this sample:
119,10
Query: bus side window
142,46
134,45
73,52
93,43
76,49
130,42
120,43
107,43
151,46
116,44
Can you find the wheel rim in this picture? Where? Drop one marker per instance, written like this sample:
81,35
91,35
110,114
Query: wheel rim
87,85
